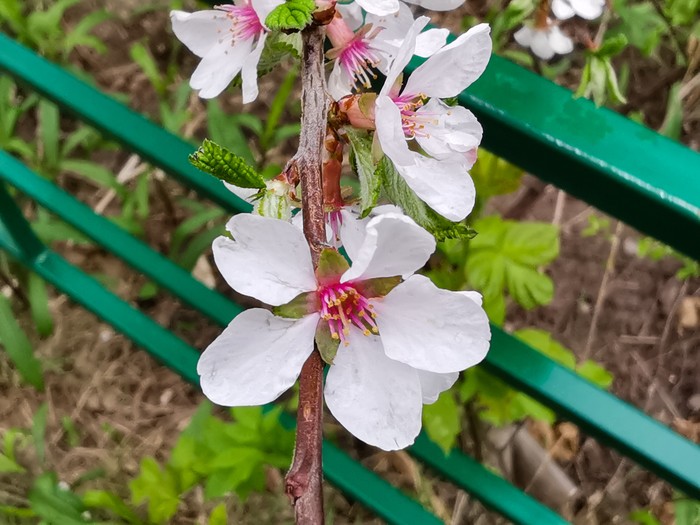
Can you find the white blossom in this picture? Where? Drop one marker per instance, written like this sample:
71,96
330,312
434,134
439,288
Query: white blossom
588,9
448,137
545,42
398,351
387,7
230,40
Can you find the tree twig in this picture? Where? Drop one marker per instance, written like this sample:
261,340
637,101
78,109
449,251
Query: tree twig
304,482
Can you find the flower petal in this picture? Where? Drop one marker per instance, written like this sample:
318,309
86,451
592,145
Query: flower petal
432,329
523,36
562,9
452,69
437,5
379,7
404,54
219,67
249,72
352,232
390,132
431,41
560,42
393,245
432,384
267,259
202,30
256,358
540,45
352,14
444,185
448,131
378,400
265,7
243,193
588,9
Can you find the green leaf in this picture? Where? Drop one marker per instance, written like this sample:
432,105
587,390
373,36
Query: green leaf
494,176
224,165
611,46
643,517
278,47
442,421
686,510
142,56
640,23
400,194
595,373
542,341
16,343
53,504
507,255
292,15
48,134
39,304
366,169
226,131
673,121
277,107
9,466
159,488
218,516
105,500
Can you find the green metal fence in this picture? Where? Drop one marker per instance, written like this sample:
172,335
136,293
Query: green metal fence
624,169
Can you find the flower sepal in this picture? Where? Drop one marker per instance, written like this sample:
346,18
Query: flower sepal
378,287
302,305
331,265
326,344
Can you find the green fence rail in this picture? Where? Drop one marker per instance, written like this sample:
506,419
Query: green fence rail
594,154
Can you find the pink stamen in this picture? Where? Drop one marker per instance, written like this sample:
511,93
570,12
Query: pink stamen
412,122
335,220
343,306
245,22
354,51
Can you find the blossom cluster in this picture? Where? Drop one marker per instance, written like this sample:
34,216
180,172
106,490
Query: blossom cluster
392,339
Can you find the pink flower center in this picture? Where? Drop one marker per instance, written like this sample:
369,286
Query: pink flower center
341,306
245,22
354,51
412,122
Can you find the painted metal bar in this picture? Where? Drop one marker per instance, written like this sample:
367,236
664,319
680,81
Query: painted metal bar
340,469
89,104
135,252
602,415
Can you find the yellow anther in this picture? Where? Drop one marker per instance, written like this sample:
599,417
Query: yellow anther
366,332
335,336
375,330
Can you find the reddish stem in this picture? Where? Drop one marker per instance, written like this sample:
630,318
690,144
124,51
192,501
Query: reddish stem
304,482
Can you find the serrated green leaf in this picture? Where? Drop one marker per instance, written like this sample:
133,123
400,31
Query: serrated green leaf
365,168
400,194
158,487
442,421
292,15
278,47
226,166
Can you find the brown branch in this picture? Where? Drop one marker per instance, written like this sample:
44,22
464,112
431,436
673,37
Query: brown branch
304,482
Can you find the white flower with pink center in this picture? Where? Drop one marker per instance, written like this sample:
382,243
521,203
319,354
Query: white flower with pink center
433,145
387,7
395,340
230,40
372,46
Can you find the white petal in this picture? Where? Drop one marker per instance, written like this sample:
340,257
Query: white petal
249,73
394,28
244,193
474,296
432,329
431,41
352,232
379,7
202,30
452,69
352,14
437,5
339,84
540,45
267,259
523,36
219,67
432,384
378,400
387,118
559,42
256,358
265,7
393,245
562,9
404,54
449,131
444,185
588,9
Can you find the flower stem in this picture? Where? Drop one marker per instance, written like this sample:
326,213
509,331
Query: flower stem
304,482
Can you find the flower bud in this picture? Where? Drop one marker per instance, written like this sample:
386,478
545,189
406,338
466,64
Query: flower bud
358,110
275,200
